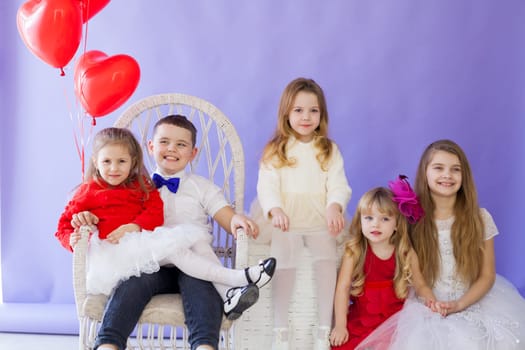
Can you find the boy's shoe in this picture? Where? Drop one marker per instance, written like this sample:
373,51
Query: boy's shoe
239,299
267,269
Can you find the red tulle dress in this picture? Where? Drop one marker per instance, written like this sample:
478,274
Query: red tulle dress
377,303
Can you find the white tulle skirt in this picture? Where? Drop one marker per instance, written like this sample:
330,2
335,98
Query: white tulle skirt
136,253
495,322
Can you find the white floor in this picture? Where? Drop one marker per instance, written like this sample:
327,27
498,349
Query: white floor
22,341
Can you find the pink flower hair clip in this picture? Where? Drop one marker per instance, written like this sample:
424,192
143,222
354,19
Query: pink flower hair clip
406,199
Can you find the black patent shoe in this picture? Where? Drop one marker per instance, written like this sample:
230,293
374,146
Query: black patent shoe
240,299
267,269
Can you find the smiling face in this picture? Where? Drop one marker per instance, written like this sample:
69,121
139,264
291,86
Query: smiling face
444,174
305,115
172,148
377,226
114,163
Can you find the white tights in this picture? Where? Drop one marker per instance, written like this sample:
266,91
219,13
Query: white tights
200,261
324,267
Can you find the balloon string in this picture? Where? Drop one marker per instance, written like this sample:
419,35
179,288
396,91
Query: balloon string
88,140
83,142
85,34
76,135
79,144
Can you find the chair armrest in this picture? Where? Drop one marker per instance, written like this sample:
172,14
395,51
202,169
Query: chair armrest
241,249
79,268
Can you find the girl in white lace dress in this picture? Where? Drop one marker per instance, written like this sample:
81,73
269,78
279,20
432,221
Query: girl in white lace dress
468,305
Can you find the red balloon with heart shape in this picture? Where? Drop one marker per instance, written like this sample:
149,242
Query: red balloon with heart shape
91,7
51,29
103,83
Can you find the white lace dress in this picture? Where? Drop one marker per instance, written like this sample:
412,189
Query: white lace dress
497,321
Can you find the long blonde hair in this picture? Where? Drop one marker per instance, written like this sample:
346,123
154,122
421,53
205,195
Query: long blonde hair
357,246
275,149
467,229
125,138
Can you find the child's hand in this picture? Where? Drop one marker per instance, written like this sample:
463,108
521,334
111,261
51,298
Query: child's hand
279,219
74,238
338,336
442,308
449,307
250,227
335,219
84,218
433,305
115,236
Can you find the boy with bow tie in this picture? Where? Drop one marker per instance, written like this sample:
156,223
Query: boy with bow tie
188,199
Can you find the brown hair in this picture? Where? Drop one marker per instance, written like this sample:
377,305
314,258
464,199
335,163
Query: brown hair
275,149
467,229
125,138
357,246
180,121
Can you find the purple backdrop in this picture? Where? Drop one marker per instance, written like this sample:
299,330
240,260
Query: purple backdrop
397,75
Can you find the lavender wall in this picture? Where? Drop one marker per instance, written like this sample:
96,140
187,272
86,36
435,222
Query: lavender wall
397,75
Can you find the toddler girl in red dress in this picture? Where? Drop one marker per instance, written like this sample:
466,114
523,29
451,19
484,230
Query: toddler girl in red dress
376,268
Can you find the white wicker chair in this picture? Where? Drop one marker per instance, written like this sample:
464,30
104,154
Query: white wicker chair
221,159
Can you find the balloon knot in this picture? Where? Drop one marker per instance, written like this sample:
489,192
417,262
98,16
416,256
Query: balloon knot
93,122
62,73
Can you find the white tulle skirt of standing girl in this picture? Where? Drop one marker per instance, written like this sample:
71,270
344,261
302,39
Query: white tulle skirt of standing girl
136,253
496,322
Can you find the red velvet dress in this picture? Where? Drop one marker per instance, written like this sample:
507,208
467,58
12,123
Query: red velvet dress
377,303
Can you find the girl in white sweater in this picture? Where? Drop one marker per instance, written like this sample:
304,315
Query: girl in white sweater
302,188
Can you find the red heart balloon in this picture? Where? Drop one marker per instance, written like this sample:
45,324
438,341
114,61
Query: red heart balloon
103,83
51,29
91,7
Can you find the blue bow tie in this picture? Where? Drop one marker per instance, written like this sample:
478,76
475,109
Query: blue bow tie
172,184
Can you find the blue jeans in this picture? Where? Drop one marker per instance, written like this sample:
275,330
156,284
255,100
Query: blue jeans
202,307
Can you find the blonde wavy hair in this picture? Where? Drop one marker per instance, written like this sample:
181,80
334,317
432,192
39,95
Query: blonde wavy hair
357,245
275,150
467,229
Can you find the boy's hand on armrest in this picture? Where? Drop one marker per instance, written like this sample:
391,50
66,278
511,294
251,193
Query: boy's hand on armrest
242,221
231,221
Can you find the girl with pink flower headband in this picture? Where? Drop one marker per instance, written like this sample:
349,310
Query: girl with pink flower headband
378,264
